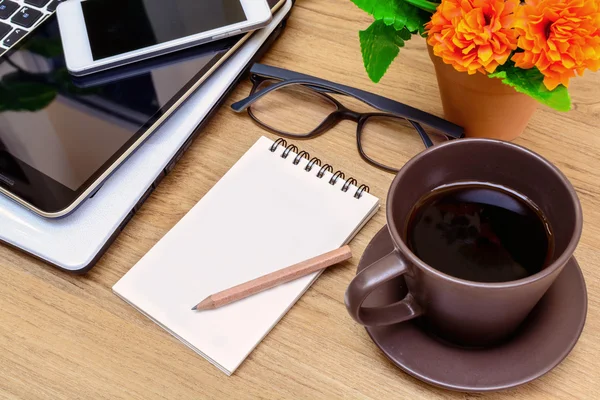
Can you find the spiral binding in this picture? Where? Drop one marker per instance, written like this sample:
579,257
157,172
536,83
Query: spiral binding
316,162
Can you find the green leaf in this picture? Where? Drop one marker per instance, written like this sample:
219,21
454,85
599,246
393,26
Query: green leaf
531,83
379,45
404,34
424,5
23,92
396,13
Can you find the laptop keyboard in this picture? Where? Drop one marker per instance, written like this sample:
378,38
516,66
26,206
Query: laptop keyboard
19,17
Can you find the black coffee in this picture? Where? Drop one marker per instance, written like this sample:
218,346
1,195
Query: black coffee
480,232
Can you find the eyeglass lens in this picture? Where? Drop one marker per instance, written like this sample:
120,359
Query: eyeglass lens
392,141
296,110
293,110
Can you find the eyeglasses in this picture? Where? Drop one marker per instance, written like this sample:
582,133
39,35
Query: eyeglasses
300,106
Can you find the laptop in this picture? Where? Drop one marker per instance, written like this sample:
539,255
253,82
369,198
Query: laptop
19,17
74,243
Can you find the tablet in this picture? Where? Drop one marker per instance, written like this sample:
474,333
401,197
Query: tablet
61,137
77,241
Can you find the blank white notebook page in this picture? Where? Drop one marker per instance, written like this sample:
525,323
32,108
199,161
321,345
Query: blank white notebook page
265,214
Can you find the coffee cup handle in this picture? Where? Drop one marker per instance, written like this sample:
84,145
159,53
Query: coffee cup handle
389,267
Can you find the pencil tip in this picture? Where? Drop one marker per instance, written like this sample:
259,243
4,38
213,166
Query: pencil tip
206,304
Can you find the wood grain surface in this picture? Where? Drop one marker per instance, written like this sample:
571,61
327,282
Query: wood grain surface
70,337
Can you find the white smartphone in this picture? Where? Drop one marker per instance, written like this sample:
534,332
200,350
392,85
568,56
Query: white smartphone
102,34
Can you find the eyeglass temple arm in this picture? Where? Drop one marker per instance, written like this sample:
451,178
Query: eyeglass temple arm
424,136
379,102
256,79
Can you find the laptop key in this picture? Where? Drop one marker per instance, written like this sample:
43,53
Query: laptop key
52,6
26,17
4,29
14,37
37,3
7,8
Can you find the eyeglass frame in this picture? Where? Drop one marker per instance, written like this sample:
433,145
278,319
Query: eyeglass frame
391,108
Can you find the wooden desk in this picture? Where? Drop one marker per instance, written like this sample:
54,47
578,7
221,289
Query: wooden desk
68,337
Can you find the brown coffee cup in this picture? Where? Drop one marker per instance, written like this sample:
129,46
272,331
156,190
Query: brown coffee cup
465,312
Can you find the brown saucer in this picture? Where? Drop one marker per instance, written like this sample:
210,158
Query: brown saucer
542,342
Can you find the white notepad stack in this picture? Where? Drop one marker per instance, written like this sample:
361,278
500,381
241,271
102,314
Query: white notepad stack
266,213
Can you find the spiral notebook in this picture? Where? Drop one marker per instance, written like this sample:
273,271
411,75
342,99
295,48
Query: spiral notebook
275,207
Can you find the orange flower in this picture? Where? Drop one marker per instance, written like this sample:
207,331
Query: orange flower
473,35
559,37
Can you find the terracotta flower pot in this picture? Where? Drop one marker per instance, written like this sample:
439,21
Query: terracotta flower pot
485,107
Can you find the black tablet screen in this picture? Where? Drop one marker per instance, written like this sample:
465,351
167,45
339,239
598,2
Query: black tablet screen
59,134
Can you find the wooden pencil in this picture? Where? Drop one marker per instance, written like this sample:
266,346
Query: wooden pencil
273,279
